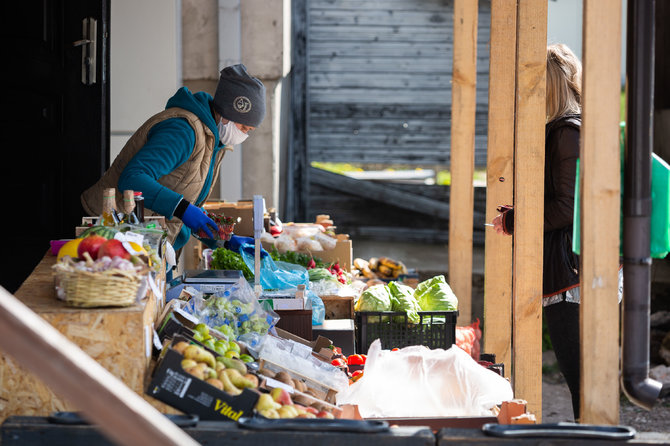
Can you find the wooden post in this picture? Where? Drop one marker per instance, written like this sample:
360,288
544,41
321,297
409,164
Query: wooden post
529,201
500,180
120,413
600,198
463,105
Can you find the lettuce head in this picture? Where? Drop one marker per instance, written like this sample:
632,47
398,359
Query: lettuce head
436,295
402,299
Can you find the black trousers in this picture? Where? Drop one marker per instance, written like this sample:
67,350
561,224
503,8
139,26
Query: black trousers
563,323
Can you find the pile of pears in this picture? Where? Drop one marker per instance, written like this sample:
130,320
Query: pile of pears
225,372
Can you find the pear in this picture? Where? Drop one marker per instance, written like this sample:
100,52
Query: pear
270,413
215,382
231,363
238,380
180,346
199,354
266,402
252,378
196,371
192,352
219,366
228,386
188,363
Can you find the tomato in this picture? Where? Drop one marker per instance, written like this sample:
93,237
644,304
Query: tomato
338,362
355,360
358,374
365,358
395,349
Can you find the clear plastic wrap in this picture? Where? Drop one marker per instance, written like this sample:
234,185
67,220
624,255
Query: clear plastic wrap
296,358
326,241
236,313
308,244
285,243
419,382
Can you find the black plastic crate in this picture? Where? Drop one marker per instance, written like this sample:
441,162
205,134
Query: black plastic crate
436,329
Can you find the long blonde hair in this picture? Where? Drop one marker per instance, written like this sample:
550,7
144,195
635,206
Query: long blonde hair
564,82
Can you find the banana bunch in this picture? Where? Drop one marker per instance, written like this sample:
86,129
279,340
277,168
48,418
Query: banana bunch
227,374
380,268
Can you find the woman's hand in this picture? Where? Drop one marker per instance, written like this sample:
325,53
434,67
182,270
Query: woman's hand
497,224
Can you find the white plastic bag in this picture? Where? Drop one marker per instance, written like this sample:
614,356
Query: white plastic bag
419,382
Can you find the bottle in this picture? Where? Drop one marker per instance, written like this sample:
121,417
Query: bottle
108,217
139,206
129,215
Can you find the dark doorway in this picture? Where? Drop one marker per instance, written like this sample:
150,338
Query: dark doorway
54,123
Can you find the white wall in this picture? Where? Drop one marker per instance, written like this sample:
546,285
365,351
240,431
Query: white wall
564,25
145,60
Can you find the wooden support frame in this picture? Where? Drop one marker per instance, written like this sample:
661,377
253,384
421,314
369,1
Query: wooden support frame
463,107
500,180
529,201
120,413
600,200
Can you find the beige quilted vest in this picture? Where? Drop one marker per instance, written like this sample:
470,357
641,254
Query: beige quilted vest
188,179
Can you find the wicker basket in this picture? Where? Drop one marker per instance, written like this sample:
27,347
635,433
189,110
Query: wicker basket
110,288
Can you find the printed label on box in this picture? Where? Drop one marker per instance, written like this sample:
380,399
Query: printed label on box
203,398
176,383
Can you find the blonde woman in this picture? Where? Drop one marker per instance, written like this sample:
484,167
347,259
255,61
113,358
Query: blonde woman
560,264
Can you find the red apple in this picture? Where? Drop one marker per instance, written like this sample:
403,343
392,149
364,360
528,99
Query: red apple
281,396
324,414
91,245
311,410
113,248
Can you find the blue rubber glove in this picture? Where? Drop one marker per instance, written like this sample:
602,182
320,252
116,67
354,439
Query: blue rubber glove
236,242
196,219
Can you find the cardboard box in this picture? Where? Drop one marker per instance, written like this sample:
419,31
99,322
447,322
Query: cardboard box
244,210
342,253
173,386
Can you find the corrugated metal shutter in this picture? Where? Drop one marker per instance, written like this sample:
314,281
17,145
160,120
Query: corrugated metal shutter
378,81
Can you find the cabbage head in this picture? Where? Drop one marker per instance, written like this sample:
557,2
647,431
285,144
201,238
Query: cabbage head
436,295
402,299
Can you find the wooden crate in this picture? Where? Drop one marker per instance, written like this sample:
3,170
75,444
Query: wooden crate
118,338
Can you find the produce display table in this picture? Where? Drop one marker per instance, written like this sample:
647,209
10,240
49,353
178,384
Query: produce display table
118,338
32,431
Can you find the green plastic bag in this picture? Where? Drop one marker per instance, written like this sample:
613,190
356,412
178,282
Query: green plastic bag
660,207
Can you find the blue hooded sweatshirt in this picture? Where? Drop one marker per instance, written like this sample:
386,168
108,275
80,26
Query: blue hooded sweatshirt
169,145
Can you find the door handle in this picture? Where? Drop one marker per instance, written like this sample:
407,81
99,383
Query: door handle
88,44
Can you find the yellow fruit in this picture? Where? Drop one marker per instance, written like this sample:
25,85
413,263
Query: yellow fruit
69,249
139,250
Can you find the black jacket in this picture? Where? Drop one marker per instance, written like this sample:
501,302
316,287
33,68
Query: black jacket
560,264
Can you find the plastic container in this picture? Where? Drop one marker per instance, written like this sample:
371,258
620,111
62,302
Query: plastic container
436,329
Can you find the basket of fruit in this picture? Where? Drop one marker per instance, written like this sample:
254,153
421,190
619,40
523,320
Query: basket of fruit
108,281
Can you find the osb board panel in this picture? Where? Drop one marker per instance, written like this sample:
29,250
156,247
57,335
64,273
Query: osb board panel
115,337
116,341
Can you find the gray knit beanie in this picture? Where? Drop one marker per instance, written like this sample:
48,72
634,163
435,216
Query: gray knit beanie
240,97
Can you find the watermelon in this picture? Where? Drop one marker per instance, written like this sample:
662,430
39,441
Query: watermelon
104,231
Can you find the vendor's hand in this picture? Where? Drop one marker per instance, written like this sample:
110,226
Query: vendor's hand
236,243
196,219
497,224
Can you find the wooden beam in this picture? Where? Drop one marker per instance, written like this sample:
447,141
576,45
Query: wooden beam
500,181
600,199
529,200
386,194
120,413
463,105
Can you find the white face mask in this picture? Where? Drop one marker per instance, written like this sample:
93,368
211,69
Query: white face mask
230,134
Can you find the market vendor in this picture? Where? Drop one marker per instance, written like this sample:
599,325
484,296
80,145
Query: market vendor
174,157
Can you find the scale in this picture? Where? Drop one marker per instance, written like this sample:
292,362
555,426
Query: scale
205,281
